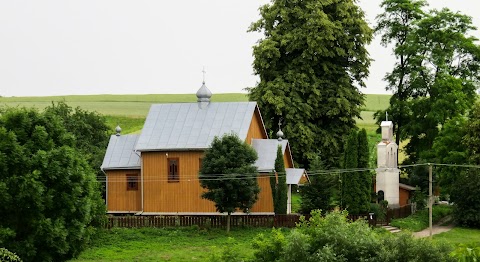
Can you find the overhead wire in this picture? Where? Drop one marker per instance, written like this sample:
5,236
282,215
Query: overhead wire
223,177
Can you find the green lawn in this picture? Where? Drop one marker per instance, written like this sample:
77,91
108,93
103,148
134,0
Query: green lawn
193,244
419,220
172,244
459,235
296,202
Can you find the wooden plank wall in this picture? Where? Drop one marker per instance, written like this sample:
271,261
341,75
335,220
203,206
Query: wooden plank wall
265,199
256,129
287,158
185,195
119,198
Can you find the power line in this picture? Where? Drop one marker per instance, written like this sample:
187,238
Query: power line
224,177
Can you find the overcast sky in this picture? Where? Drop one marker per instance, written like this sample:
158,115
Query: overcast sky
65,47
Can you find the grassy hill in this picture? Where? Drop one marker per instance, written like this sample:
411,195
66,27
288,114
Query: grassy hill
129,111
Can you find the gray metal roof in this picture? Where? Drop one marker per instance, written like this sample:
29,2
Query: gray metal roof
185,126
294,175
267,153
120,153
407,187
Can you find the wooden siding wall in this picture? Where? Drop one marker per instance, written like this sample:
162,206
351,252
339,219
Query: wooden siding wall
256,130
265,199
287,158
119,198
184,196
404,196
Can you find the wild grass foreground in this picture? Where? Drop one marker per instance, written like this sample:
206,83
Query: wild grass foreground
328,238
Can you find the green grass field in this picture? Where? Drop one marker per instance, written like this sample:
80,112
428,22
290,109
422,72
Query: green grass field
172,244
419,220
458,236
129,111
194,244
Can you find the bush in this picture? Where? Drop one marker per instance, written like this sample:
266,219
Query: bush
7,256
335,238
466,253
229,253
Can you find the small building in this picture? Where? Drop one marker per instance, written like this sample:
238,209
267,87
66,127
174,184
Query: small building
387,184
156,172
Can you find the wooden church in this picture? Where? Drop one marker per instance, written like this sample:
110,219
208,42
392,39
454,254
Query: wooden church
156,172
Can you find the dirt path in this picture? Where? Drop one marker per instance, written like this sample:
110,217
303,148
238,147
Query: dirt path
437,228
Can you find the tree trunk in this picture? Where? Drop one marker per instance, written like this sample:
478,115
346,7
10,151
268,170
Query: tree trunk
228,223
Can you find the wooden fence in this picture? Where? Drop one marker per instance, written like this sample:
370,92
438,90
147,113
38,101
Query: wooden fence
220,221
204,221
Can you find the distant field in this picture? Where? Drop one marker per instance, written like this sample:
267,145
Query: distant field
138,105
119,105
129,111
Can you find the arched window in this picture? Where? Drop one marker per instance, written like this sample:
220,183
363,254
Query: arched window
380,195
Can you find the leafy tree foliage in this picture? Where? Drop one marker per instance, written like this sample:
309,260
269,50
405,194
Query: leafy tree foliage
323,191
465,191
448,148
334,238
229,175
356,189
280,201
471,140
310,62
466,196
49,194
89,129
7,256
436,73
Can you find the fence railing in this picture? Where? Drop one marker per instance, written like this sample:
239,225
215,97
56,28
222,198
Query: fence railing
210,221
220,221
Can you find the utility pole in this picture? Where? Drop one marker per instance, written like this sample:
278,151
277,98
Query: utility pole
430,198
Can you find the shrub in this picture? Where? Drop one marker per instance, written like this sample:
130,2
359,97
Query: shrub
229,253
466,253
7,256
335,238
269,248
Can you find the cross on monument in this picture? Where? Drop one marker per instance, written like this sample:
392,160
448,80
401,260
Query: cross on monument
386,115
204,72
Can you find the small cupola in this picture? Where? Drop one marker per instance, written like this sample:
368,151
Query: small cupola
118,130
280,134
203,96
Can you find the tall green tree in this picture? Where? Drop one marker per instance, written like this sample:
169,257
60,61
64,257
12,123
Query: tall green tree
436,74
396,26
449,147
356,189
366,177
465,191
229,176
50,196
351,188
471,140
311,62
323,191
280,202
89,129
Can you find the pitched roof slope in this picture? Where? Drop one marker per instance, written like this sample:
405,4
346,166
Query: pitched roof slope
185,126
294,175
120,153
267,153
